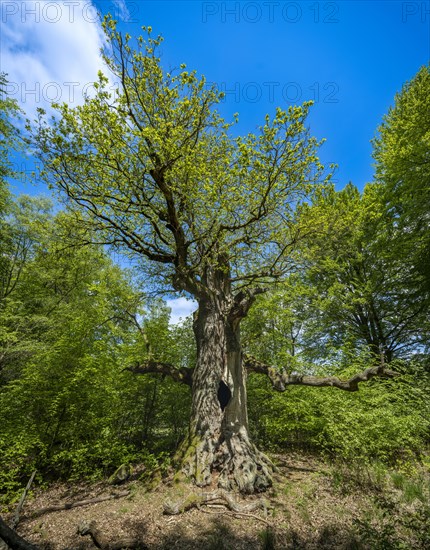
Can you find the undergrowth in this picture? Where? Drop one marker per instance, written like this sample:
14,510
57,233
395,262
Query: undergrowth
398,513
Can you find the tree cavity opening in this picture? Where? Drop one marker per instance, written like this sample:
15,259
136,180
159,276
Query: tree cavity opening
224,395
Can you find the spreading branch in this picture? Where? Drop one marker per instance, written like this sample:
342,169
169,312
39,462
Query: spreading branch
281,379
181,374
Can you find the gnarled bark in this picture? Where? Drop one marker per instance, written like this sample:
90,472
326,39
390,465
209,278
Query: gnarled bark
218,440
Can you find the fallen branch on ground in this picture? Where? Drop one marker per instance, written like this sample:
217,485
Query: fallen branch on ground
18,510
17,541
69,505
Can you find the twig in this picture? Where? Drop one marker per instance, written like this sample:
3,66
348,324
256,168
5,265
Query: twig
244,514
213,513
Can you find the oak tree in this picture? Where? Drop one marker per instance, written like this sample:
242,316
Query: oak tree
205,214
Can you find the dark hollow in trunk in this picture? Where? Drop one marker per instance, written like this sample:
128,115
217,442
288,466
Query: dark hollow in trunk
224,395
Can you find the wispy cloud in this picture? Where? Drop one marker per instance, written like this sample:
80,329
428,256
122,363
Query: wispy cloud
123,12
50,50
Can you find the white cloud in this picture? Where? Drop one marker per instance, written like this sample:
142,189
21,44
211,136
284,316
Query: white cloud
50,50
181,308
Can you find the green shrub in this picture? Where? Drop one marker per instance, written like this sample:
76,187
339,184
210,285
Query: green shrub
387,421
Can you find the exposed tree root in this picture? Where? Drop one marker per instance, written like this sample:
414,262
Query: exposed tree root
241,466
100,540
196,500
70,505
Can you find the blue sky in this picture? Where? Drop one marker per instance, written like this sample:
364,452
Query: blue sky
350,57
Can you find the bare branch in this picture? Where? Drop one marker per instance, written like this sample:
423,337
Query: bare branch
18,510
181,374
281,379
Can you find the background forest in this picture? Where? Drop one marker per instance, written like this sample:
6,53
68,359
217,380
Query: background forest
72,321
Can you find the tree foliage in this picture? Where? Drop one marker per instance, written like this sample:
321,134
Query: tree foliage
353,293
10,138
160,175
70,326
154,171
401,152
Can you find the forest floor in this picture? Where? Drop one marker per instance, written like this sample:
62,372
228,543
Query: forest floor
313,505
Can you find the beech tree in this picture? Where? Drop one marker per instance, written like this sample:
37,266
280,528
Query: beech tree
401,153
205,214
358,289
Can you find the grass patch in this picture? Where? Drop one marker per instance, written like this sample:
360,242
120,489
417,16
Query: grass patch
268,539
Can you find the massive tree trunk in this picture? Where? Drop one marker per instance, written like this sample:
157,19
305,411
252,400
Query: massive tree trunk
218,447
